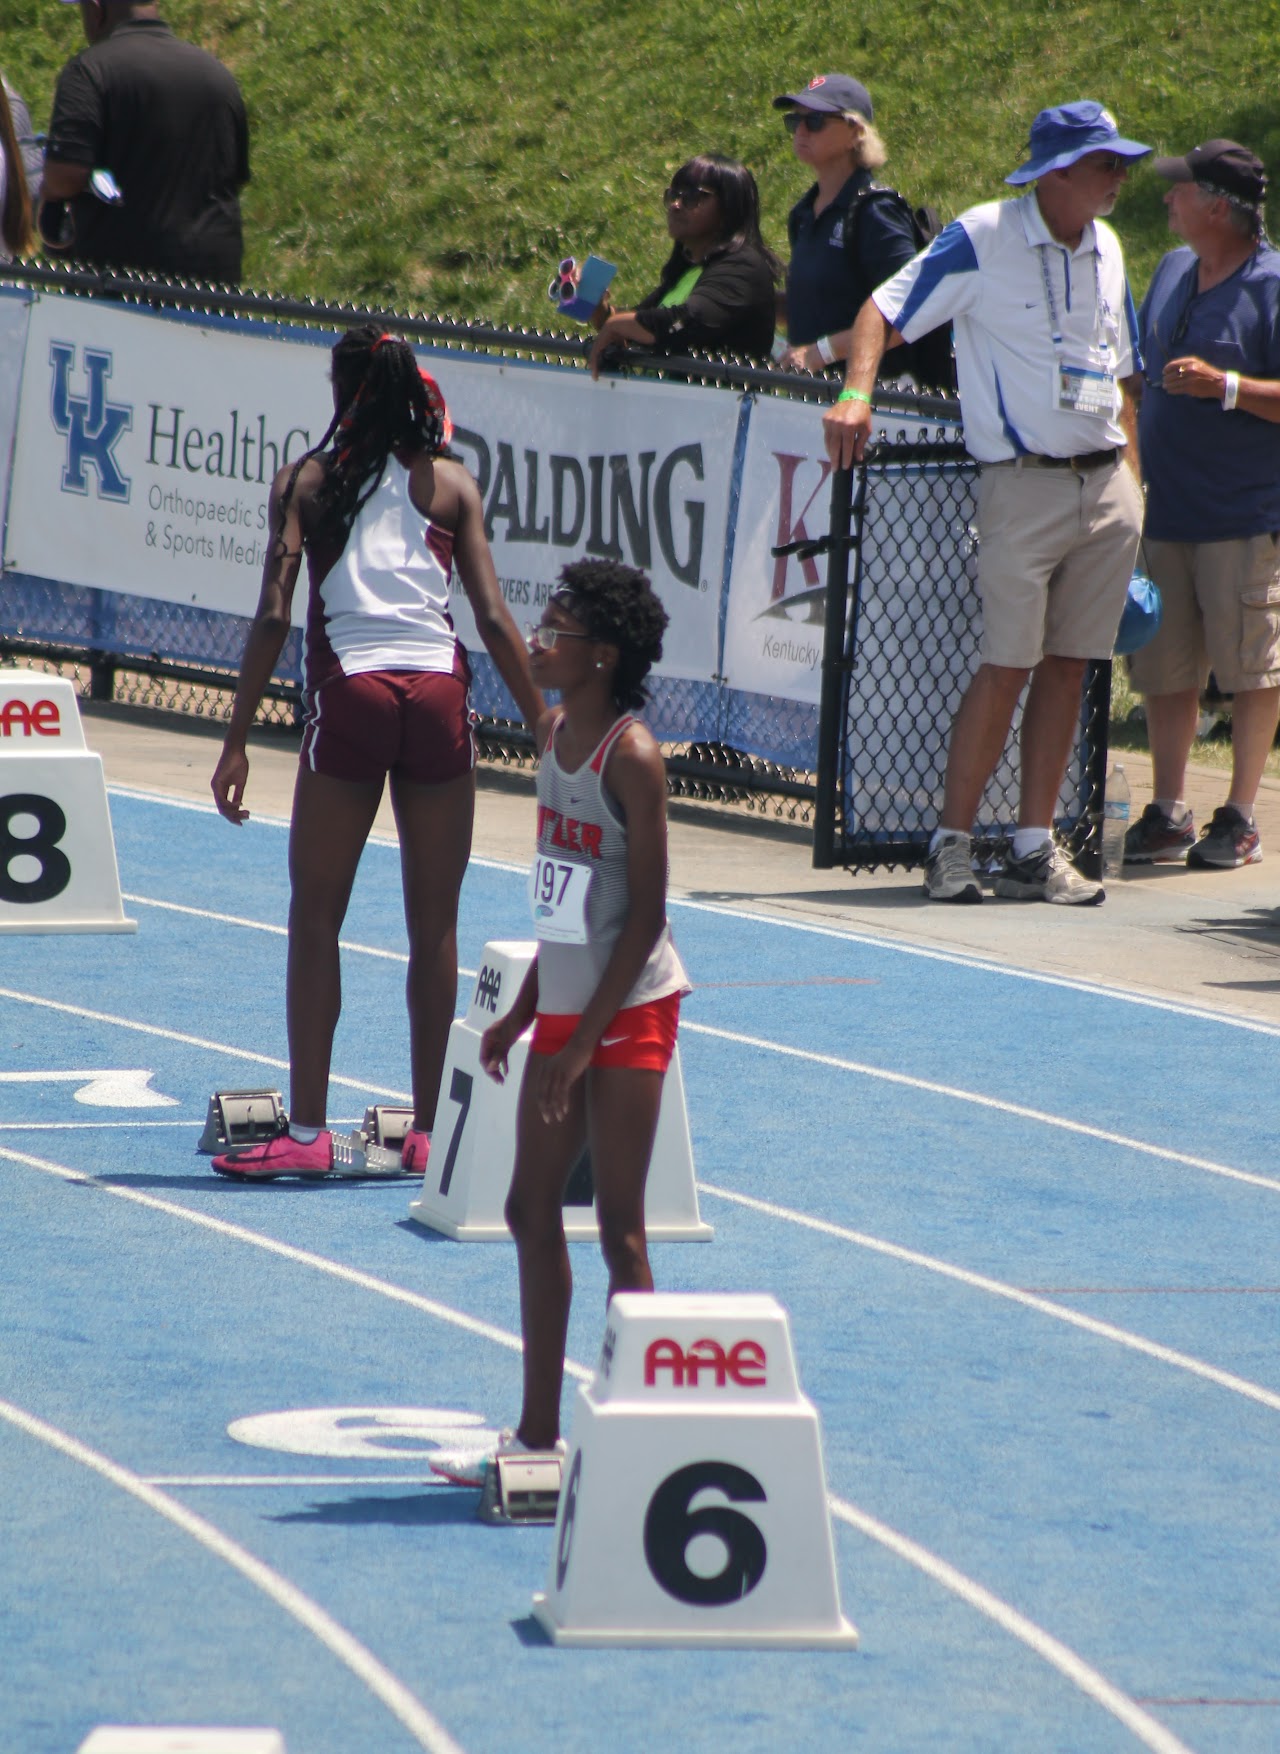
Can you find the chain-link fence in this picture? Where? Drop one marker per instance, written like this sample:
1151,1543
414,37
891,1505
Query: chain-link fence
903,629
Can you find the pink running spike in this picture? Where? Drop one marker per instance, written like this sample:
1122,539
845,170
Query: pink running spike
282,1155
415,1151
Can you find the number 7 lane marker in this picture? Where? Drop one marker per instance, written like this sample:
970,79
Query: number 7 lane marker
399,1701
1088,1680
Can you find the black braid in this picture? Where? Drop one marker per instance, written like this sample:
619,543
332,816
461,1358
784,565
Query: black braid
383,407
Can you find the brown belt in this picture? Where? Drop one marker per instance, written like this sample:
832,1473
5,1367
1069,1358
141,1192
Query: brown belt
1085,460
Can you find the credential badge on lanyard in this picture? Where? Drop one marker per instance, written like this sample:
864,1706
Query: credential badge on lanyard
558,894
1084,379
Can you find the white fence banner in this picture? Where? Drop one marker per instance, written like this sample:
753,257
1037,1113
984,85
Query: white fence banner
774,627
637,471
146,447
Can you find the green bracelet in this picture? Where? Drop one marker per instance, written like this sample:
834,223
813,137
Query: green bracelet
854,396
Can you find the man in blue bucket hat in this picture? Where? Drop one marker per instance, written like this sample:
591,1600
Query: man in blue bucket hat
1045,338
1210,429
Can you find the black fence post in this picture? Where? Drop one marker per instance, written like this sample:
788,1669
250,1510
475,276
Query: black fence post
1097,728
831,698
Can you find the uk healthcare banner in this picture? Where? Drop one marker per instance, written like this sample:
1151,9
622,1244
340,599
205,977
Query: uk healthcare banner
146,446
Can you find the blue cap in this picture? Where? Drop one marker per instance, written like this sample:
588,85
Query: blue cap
1068,132
833,92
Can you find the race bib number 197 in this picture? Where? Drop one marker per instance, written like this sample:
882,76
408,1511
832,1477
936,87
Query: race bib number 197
558,900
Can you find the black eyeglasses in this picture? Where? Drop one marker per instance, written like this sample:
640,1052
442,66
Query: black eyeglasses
812,121
685,197
544,637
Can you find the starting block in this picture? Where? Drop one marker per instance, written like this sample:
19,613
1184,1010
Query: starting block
241,1117
247,1117
694,1509
521,1488
386,1126
57,854
474,1144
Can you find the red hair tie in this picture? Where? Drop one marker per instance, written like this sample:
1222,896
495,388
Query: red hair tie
436,403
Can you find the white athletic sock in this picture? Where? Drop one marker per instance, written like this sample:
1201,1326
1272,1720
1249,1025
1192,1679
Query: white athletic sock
941,834
304,1135
1174,808
1028,840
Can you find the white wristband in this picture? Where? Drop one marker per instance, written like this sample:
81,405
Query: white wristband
826,352
1230,390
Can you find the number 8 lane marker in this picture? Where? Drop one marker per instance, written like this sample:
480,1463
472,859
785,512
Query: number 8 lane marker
1146,1729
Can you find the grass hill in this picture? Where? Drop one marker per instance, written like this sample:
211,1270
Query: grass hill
443,158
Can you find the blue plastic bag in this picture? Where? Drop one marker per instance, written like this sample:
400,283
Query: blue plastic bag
1141,618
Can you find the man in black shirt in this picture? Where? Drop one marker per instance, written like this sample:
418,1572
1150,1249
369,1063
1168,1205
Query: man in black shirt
168,122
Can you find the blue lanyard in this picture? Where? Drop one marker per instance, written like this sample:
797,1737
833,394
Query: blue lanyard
1100,306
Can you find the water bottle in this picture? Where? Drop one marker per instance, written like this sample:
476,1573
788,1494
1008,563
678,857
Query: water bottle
1115,822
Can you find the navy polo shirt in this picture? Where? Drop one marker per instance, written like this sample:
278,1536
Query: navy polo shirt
826,287
1211,476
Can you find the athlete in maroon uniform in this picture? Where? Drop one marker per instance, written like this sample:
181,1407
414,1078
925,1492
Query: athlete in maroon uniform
382,517
604,990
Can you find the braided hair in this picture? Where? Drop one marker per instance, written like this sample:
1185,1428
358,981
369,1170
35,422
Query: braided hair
385,404
618,606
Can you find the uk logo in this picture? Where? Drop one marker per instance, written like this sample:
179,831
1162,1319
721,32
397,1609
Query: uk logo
91,425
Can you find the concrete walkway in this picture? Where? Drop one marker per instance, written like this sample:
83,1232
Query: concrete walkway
1210,939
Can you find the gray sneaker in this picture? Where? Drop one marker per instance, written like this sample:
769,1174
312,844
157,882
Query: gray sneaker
1048,875
948,872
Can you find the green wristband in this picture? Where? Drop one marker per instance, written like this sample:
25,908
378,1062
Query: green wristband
854,396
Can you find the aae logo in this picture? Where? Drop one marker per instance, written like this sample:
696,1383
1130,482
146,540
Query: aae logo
90,424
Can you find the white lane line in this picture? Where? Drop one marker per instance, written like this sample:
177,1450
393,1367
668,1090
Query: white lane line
426,1730
274,931
902,946
301,1257
1141,1724
1041,1643
293,1480
995,1103
1223,1379
193,1041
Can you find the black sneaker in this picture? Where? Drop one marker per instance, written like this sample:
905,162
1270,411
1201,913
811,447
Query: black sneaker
1156,839
1047,874
1230,841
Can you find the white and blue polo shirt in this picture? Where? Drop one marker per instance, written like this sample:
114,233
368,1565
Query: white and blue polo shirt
986,272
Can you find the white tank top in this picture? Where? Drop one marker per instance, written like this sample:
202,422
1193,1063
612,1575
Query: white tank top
578,825
386,598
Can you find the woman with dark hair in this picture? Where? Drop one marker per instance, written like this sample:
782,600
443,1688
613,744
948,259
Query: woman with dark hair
717,291
383,516
603,993
15,197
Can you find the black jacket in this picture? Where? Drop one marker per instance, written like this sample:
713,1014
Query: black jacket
732,309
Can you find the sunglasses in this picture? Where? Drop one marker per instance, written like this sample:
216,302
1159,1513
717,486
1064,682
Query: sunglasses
564,287
686,197
812,121
1107,163
544,638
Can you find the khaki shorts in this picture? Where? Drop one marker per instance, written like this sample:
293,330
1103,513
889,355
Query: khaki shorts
1220,612
1055,556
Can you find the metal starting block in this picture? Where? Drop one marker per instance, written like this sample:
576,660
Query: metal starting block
356,1159
241,1117
386,1126
522,1488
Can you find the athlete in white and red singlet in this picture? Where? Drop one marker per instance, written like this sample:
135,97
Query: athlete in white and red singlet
604,990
